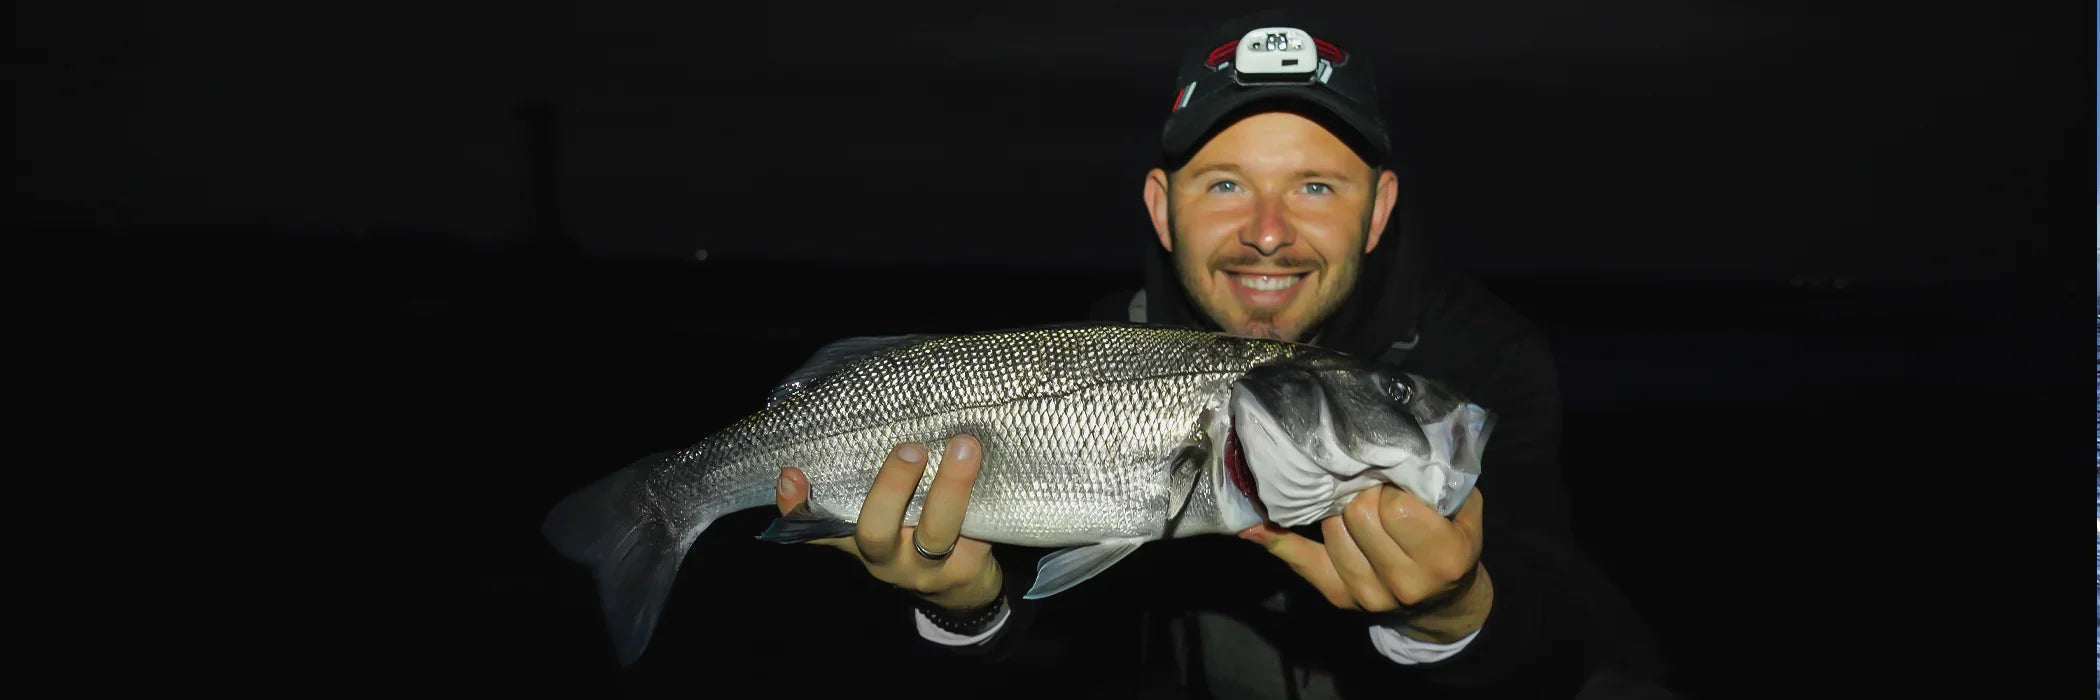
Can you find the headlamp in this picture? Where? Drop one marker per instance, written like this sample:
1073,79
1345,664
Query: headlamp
1272,64
1276,55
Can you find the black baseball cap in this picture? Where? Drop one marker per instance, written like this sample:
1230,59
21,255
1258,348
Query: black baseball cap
1329,80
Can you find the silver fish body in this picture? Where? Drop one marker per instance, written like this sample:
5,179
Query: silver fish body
1097,438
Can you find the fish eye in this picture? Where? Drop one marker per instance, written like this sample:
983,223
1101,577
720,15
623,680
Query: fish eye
1399,389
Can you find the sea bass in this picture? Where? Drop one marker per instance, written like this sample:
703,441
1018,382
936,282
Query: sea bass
1098,438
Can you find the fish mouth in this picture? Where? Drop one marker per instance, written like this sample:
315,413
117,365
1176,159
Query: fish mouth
1291,486
1234,485
1236,467
1313,436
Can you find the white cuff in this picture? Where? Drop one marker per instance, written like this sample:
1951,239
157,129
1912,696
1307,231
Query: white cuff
933,633
1408,652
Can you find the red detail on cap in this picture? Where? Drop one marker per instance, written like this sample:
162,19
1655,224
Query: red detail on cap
1236,467
1177,98
1218,55
1332,53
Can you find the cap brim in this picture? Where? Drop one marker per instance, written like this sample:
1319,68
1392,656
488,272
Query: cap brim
1193,126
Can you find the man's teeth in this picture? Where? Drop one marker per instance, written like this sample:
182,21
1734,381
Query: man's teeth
1268,283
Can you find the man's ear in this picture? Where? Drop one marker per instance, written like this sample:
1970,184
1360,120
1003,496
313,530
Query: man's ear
1156,205
1382,207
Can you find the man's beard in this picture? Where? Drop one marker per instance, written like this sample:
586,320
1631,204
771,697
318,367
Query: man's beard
1264,323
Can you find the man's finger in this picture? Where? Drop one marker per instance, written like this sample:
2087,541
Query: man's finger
941,517
1439,547
1467,519
1362,581
1305,557
882,513
793,491
1389,562
971,554
1411,522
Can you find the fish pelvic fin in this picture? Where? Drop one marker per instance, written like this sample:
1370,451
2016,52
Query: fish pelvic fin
1071,566
806,522
632,554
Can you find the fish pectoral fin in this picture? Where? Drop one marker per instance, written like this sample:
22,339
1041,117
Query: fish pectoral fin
1071,566
806,522
1186,467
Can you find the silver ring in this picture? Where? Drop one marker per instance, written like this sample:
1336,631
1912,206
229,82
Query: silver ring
929,555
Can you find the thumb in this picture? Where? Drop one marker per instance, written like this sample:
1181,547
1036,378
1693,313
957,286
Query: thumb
1305,557
1282,543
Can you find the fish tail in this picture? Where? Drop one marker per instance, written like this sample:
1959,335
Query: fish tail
631,552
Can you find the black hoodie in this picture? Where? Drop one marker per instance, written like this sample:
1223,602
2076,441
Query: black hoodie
1557,623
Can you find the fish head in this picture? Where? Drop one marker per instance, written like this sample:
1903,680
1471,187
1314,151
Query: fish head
1313,433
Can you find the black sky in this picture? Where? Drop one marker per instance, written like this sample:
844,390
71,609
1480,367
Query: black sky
1685,140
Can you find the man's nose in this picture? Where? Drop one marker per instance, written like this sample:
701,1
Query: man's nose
1268,232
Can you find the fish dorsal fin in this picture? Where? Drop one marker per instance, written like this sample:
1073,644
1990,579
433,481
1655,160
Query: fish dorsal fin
1072,566
828,359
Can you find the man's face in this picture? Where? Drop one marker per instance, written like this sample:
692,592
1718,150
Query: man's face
1268,224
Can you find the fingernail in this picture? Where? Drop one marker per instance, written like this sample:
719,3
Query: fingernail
911,453
961,448
785,484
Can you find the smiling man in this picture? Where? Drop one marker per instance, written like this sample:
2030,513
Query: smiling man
1278,214
1269,222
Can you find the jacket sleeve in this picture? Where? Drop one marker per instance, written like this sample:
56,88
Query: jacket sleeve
1008,638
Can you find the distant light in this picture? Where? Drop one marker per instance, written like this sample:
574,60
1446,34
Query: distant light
700,255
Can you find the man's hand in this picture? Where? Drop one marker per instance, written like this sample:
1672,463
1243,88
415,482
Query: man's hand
1388,551
968,578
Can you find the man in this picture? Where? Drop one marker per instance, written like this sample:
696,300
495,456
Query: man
1275,214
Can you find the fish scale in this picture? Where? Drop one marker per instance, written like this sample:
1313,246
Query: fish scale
1077,425
1096,438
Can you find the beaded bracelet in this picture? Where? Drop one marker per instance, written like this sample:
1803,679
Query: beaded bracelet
969,624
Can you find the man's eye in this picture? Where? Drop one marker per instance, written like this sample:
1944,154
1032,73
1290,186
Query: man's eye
1225,186
1318,188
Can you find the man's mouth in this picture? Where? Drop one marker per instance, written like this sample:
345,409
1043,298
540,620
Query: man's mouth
1270,291
1267,283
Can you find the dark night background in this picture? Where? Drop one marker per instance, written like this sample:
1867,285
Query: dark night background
1814,274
